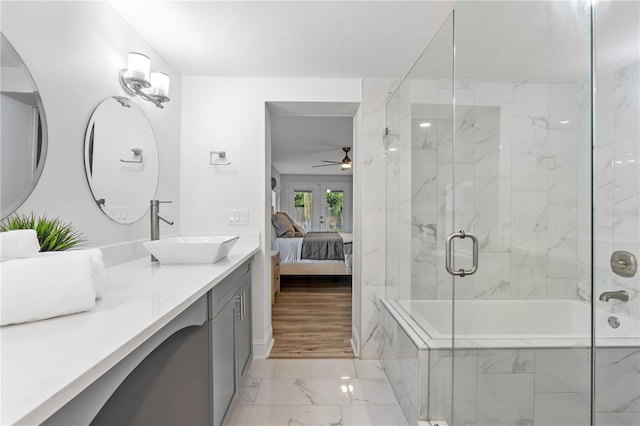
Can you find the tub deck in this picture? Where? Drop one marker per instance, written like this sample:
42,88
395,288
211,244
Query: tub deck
511,324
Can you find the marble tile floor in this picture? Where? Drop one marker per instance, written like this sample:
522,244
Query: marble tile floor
316,392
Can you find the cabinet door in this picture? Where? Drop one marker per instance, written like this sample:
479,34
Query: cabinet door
223,361
243,329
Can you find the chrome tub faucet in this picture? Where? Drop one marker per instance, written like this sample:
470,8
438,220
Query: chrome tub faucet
618,294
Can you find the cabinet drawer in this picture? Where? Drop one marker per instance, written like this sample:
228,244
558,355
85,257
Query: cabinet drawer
224,291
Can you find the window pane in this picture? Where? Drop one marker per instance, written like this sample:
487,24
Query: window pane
302,206
334,208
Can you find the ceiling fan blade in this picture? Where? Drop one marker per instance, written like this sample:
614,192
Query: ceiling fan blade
326,165
332,162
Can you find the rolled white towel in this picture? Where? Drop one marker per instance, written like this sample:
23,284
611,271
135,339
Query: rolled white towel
97,261
45,287
99,275
19,243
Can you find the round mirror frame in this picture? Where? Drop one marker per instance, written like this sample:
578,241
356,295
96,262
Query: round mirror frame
121,159
41,141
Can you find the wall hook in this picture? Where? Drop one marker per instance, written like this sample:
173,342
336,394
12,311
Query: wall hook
137,156
221,159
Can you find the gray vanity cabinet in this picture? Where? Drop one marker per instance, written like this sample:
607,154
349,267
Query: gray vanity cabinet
223,362
243,330
187,373
230,325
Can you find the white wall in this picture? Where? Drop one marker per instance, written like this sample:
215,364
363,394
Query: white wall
74,51
230,114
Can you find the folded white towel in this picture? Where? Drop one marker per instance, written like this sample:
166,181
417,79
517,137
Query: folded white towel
46,286
98,271
19,243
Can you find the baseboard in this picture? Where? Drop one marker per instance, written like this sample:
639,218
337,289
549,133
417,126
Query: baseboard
262,348
355,342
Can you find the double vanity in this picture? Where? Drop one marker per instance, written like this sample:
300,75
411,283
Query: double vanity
167,344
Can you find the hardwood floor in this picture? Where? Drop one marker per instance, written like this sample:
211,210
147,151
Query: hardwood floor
311,318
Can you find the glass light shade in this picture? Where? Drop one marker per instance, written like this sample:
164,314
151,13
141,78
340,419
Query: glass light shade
159,84
138,66
345,166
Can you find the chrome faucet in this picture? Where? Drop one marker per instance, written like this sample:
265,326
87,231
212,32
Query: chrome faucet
155,222
619,294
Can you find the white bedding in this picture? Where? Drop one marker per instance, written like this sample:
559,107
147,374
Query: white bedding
291,249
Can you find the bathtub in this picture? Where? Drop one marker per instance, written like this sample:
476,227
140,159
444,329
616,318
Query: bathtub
515,323
540,349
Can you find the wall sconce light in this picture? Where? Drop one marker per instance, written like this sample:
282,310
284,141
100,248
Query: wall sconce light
218,158
136,78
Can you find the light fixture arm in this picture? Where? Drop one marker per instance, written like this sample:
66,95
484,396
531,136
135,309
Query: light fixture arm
133,86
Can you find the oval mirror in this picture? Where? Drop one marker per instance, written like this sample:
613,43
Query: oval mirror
121,159
23,131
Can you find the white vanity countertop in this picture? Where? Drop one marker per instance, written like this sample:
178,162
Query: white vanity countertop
47,363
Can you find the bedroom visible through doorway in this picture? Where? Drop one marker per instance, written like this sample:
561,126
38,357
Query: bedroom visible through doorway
312,211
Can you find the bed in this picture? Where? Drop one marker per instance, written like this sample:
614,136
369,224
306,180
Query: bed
312,253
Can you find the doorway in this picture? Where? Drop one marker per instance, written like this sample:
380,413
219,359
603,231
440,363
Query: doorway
307,142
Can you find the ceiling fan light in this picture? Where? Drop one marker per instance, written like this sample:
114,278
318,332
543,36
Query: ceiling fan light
346,161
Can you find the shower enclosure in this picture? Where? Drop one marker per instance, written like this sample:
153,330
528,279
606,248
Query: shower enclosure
513,148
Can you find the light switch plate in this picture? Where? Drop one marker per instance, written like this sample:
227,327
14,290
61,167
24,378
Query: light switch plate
238,217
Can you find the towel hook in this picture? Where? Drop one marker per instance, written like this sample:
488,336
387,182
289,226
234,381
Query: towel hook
137,155
221,160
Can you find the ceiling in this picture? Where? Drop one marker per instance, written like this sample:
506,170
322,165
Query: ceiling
304,134
298,39
326,39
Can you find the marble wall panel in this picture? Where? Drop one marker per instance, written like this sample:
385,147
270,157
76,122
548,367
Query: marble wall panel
617,180
617,380
505,399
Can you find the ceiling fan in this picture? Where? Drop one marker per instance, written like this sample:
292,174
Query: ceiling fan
345,164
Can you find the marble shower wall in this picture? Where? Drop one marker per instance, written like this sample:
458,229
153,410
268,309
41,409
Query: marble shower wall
372,166
515,168
617,181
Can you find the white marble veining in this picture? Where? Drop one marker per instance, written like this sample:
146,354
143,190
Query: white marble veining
516,174
375,93
509,381
317,392
616,180
47,363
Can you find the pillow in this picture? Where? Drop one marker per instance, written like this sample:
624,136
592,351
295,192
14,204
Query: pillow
283,225
298,229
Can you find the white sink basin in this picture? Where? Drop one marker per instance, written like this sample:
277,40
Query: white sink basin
191,249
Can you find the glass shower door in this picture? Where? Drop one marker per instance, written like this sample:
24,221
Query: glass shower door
521,184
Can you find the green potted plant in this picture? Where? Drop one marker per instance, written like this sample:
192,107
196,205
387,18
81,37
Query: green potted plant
53,234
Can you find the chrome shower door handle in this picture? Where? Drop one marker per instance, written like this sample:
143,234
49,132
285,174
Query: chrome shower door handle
449,254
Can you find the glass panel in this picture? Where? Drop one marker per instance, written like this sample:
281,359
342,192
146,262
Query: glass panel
418,151
419,214
303,209
616,186
334,209
521,154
